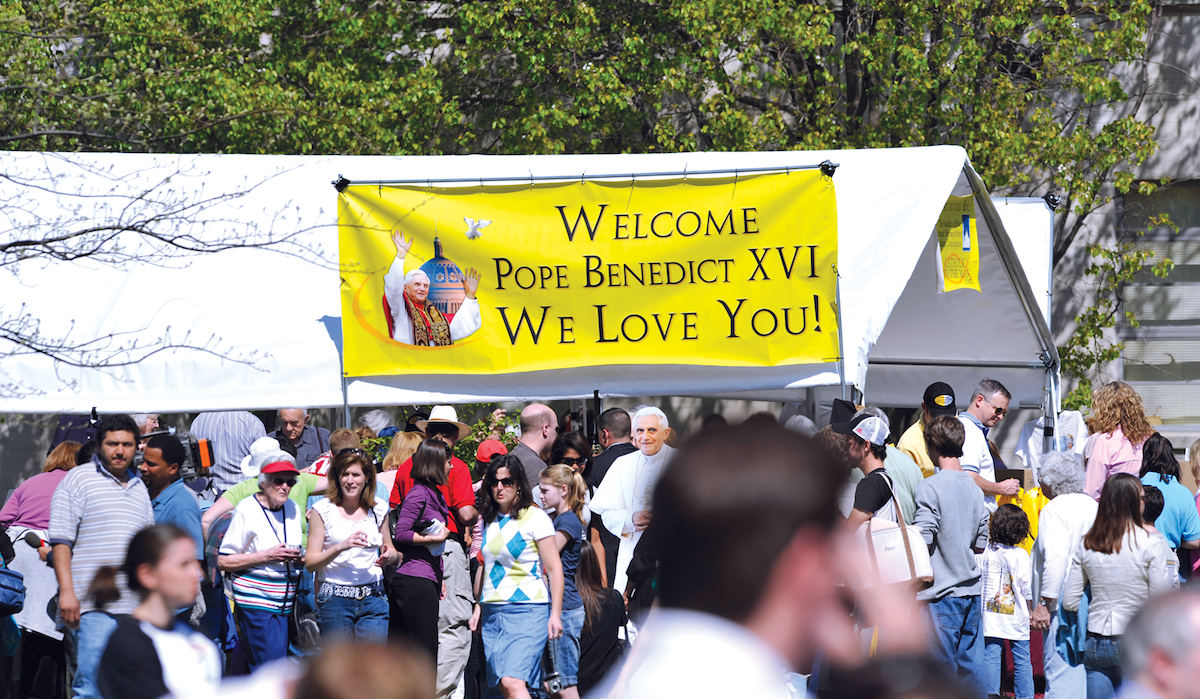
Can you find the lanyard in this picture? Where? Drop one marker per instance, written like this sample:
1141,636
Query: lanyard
271,523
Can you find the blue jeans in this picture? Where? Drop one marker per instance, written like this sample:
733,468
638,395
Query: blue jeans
1062,680
1102,658
91,637
353,620
565,649
958,638
993,653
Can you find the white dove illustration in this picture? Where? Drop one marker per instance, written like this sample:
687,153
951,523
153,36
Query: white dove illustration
474,227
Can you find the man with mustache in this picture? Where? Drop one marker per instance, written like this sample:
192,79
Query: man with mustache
94,514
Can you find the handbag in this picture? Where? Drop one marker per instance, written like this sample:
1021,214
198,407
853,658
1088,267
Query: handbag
897,551
12,591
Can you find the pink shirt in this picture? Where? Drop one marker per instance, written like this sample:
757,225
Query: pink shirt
29,505
1111,453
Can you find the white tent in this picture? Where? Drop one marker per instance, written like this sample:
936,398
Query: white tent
271,322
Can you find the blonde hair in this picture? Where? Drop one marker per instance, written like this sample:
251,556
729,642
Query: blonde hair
1117,404
404,445
563,475
1194,459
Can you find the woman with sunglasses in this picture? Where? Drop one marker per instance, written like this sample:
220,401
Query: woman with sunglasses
417,586
516,614
348,543
262,556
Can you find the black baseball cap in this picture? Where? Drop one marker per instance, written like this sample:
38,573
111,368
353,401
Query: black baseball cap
939,399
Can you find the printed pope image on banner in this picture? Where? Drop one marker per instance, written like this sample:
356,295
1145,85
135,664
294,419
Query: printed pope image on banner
717,272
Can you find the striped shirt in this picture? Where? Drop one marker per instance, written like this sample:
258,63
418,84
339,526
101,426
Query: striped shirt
268,587
231,434
97,515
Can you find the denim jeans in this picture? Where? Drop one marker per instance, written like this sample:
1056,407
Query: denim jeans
993,653
91,638
1062,680
565,648
958,638
1102,658
353,620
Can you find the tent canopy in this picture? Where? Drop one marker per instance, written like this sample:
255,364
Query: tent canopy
268,324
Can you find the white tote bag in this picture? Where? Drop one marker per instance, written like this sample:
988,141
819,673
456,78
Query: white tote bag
895,552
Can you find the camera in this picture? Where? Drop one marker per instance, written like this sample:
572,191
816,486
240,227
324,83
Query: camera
198,454
374,539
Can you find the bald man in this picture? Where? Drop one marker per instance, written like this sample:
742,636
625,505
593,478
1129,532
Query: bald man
415,320
539,429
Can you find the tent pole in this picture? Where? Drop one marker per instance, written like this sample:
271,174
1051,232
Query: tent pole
841,335
345,403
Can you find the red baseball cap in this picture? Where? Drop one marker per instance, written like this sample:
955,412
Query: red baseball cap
489,448
280,462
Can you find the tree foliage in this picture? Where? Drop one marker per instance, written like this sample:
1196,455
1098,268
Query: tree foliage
1043,95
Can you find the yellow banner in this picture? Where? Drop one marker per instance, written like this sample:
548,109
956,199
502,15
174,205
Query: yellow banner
958,242
719,272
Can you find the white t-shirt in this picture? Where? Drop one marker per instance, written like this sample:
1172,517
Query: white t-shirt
353,566
977,458
1170,558
1006,592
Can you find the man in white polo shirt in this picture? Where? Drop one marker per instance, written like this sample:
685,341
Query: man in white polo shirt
988,406
94,514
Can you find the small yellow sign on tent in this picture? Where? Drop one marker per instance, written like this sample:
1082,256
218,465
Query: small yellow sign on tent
958,245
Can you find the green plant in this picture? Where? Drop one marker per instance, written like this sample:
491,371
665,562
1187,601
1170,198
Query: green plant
1091,346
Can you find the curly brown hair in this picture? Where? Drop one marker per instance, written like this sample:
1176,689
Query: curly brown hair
1009,526
1117,404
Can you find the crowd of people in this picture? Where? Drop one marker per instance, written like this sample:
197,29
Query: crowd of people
737,562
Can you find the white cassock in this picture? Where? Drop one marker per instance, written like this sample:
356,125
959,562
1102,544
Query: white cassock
628,488
466,321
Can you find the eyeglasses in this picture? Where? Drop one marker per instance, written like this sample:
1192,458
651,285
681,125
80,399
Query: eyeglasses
506,482
353,450
999,411
280,480
580,461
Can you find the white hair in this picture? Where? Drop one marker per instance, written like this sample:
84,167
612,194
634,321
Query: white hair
651,410
413,274
305,410
142,418
1166,622
800,425
377,420
877,412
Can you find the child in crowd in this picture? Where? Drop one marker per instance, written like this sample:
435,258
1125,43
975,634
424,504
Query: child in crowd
1006,600
563,490
1154,503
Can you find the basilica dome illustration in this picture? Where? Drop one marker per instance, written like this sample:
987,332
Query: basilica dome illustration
445,281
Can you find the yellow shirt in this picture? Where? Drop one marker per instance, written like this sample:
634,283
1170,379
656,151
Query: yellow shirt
912,442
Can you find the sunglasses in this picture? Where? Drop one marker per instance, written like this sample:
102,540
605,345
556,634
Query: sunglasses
580,461
999,411
352,450
280,480
506,482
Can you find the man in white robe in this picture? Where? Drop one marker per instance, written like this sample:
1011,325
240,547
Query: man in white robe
623,499
405,291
